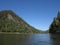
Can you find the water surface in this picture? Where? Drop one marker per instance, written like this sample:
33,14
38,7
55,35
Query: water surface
29,39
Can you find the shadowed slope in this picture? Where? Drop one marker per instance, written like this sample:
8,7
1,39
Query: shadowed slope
55,26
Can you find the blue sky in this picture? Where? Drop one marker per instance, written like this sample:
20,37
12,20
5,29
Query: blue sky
37,13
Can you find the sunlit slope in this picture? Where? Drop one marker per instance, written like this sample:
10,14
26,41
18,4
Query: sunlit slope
11,22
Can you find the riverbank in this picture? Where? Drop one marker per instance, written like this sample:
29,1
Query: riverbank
13,33
20,33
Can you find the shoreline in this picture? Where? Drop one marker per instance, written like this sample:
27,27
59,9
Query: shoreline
20,33
13,33
17,33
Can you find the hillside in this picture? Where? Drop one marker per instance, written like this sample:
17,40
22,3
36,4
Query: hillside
11,22
55,25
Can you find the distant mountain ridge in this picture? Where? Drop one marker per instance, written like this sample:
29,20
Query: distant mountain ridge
11,22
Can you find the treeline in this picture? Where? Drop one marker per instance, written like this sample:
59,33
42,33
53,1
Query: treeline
55,25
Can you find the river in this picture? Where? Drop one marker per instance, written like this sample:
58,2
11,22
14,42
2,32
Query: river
29,39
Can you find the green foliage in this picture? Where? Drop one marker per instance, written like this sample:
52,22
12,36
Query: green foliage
55,26
16,24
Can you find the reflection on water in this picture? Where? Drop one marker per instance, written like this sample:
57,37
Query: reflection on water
55,39
27,39
13,39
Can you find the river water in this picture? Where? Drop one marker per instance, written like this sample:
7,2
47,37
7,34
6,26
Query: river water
29,39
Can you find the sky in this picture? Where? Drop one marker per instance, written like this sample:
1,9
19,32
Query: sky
37,13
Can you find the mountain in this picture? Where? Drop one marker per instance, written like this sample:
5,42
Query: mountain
44,32
11,22
55,25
